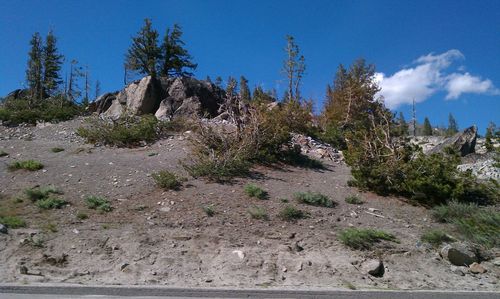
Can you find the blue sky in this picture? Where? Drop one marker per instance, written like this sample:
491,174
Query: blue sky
445,54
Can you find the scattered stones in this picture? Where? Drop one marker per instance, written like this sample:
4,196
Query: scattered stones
373,267
459,254
310,147
123,266
239,253
477,268
3,229
459,270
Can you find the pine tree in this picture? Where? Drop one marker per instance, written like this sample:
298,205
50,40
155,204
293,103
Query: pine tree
52,62
244,90
293,68
144,54
491,131
218,82
175,58
427,130
75,74
259,96
231,87
402,126
452,126
97,89
352,97
34,71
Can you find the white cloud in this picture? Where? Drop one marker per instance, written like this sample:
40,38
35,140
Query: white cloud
465,83
428,77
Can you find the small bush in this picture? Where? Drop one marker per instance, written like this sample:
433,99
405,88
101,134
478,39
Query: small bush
482,228
354,200
35,242
290,213
167,180
82,215
98,203
209,210
30,165
258,213
3,153
358,238
54,109
57,149
12,221
436,237
126,132
50,203
255,191
35,194
50,227
314,199
454,210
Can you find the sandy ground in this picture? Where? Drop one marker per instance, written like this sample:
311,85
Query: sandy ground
164,237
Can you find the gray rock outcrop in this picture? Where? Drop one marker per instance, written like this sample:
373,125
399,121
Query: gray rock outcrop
167,98
463,142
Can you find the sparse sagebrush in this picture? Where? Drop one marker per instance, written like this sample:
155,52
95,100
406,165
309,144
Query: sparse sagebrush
290,213
50,203
209,210
3,153
30,165
354,200
314,199
255,191
98,203
480,225
258,213
50,227
54,109
39,193
167,180
126,132
363,239
57,149
436,237
12,221
454,210
82,215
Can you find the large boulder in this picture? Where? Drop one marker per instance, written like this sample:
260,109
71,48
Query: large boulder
459,254
167,98
102,103
189,97
462,142
142,96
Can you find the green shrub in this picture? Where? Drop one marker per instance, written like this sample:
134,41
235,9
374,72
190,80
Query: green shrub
454,210
209,210
358,238
125,132
255,191
56,149
220,154
167,180
436,237
50,227
12,221
334,136
354,200
482,228
39,193
290,213
30,165
314,199
51,109
50,203
3,153
82,215
258,213
98,203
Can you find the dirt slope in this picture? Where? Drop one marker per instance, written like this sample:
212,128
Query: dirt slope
158,237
